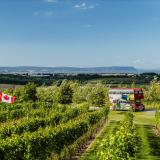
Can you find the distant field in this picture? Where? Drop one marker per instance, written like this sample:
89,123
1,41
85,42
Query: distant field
6,86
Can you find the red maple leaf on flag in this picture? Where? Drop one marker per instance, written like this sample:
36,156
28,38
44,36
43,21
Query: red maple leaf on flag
6,97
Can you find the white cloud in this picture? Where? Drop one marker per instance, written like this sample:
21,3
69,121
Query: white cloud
48,13
84,6
138,61
91,6
36,13
51,1
87,26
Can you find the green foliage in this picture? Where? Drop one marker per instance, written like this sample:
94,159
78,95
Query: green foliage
153,92
98,98
82,78
98,95
29,92
20,110
48,94
122,144
40,144
66,93
14,114
95,94
157,116
18,92
44,120
9,91
82,92
32,124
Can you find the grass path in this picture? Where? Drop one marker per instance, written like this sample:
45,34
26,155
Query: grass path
149,146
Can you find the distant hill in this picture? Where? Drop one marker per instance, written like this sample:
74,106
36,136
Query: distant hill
32,69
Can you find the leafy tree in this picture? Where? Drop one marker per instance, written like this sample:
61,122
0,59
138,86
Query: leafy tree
98,98
18,92
82,93
48,94
153,92
65,93
29,92
98,95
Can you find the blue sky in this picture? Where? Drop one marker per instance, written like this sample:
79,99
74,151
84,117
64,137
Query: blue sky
80,33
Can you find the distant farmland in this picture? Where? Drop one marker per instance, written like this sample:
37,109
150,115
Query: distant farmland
6,86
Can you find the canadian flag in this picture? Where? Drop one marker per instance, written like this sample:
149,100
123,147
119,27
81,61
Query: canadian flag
6,98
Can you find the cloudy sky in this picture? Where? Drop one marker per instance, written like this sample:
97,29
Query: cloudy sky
80,33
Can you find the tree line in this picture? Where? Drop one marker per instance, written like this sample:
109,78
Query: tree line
49,79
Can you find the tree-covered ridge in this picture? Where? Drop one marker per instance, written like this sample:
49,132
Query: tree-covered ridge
49,79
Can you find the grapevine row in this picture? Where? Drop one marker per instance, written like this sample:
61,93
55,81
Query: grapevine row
32,124
40,144
121,144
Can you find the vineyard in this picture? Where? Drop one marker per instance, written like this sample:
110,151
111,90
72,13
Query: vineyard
126,138
40,133
72,121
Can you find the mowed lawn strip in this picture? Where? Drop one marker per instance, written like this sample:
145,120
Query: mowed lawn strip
144,146
149,146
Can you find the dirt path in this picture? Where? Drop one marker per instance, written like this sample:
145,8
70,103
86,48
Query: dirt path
87,145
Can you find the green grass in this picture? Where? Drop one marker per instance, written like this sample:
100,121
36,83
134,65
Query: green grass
149,146
146,117
116,115
144,146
